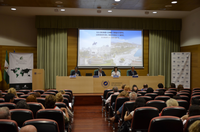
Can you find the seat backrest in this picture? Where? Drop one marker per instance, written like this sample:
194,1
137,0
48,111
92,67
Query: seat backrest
7,125
188,91
41,91
108,94
2,100
175,89
189,122
9,105
19,93
165,98
53,90
183,93
105,92
152,95
159,104
183,97
49,93
95,71
44,95
54,114
147,98
166,124
195,93
113,98
43,125
142,117
18,99
161,89
169,94
195,97
142,92
41,100
119,102
34,107
24,96
171,91
31,93
196,89
127,106
67,96
66,101
174,111
24,91
183,103
21,115
60,104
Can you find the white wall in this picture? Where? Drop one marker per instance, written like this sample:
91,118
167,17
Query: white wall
190,34
18,31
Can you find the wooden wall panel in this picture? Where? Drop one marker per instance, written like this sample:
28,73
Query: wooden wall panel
195,63
72,55
18,49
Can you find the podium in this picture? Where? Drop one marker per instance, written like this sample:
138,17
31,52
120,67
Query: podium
37,79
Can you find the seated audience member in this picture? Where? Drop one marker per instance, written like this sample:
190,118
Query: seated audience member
59,98
22,105
13,91
50,101
132,72
125,92
160,85
9,97
32,98
115,118
135,88
195,127
179,88
172,85
123,86
100,72
139,102
28,128
37,94
5,114
115,90
193,110
150,90
76,72
115,72
145,86
160,93
62,92
171,102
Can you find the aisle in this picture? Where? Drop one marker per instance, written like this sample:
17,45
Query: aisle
89,119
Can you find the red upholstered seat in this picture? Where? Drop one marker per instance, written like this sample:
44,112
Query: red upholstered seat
34,107
173,111
41,91
166,124
43,125
189,121
164,98
9,105
159,104
7,125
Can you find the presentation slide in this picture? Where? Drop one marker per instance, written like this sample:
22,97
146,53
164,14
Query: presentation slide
109,48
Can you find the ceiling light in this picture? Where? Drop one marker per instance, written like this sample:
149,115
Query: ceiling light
109,10
62,9
13,9
174,2
117,0
155,12
58,2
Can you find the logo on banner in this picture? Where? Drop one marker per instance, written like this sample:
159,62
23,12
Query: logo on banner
105,84
21,58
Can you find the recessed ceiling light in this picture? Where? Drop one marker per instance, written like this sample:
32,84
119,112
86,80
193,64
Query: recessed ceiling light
117,0
174,2
62,9
109,10
154,12
13,9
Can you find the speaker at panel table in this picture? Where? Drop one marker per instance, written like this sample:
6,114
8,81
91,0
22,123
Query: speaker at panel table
75,72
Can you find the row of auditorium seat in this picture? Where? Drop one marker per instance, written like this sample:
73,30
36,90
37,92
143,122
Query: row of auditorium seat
158,102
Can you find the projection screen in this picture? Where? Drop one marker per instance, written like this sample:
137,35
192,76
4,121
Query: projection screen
109,48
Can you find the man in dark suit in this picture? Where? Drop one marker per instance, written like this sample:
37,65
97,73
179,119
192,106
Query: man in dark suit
76,72
100,72
132,72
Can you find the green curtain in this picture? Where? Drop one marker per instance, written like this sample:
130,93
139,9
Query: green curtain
161,44
52,54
